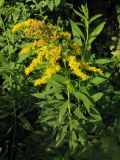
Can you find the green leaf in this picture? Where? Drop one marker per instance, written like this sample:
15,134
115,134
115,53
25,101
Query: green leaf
59,78
45,93
82,96
51,5
103,61
54,83
63,110
77,33
79,14
118,9
79,114
22,58
57,2
97,96
98,80
97,118
118,18
61,134
73,140
81,139
94,17
96,32
85,98
2,3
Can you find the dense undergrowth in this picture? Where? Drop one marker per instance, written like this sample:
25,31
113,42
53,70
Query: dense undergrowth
59,80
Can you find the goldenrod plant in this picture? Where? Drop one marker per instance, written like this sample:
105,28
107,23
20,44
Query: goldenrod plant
55,61
57,100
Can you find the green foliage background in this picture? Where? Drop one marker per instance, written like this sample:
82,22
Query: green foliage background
33,125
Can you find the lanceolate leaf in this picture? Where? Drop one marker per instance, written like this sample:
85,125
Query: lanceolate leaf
46,92
61,134
82,96
77,33
74,25
59,78
98,80
79,114
79,14
94,17
51,5
103,61
57,2
96,32
97,96
63,110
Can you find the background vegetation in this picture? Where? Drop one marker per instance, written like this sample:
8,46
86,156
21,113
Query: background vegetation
65,119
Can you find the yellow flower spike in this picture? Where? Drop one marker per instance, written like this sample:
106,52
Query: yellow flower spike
55,54
86,66
74,65
17,27
35,62
47,75
28,22
22,24
94,69
80,74
24,51
65,34
40,81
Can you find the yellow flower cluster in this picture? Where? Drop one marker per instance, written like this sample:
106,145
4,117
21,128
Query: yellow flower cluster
86,66
47,75
78,66
35,62
48,49
75,66
65,34
55,54
25,24
44,53
33,46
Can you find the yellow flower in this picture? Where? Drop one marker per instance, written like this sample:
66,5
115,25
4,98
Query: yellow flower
35,62
17,27
94,69
80,74
86,66
65,34
55,54
74,65
22,24
47,75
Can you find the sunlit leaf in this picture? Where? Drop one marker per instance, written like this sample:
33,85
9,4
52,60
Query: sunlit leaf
97,96
79,114
94,17
96,32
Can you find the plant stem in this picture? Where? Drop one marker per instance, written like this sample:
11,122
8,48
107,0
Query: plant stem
68,94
